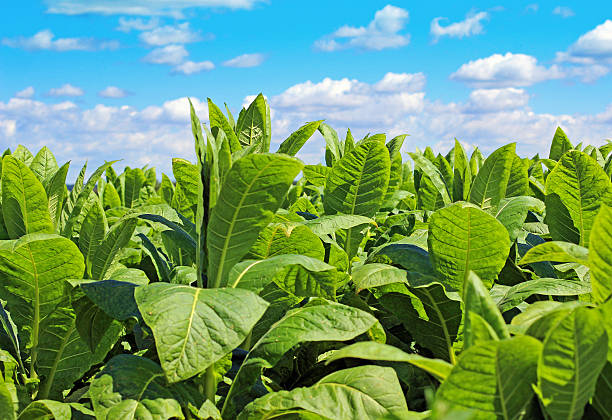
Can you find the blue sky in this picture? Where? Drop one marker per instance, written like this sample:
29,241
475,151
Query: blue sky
106,79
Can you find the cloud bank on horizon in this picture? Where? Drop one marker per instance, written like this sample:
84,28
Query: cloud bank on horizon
489,94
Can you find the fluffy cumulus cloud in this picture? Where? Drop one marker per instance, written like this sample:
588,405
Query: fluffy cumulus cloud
563,11
113,92
191,67
66,90
471,25
381,33
396,104
46,40
508,70
170,54
139,136
170,34
245,60
25,93
590,57
142,7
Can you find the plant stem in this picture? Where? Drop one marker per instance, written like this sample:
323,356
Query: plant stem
210,385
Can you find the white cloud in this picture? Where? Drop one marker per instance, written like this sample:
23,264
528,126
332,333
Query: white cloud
156,133
508,70
137,24
471,25
495,100
563,11
407,82
66,90
170,54
169,34
532,8
141,7
489,118
25,93
113,92
190,67
45,40
381,33
8,128
245,60
590,57
152,135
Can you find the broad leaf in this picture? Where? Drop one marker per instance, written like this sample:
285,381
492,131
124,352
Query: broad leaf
573,356
556,251
193,327
253,190
575,190
364,392
371,350
600,255
24,201
131,387
494,379
463,238
296,274
296,140
489,186
324,322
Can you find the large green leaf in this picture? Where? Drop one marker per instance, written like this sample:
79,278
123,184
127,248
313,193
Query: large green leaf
476,299
252,127
602,400
364,392
543,286
286,238
376,274
491,182
92,233
116,238
82,198
64,356
600,254
560,145
193,327
462,173
50,409
357,185
575,190
512,213
56,191
494,379
556,251
358,182
24,201
44,164
33,275
253,190
217,119
518,181
133,388
434,175
322,322
431,315
133,183
296,274
573,355
296,140
463,237
371,350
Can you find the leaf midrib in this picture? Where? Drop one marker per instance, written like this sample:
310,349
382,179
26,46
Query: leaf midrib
233,222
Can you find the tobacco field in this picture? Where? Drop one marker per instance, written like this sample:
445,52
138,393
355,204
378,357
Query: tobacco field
248,285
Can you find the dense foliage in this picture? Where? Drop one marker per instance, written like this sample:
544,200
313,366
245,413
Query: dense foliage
439,286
